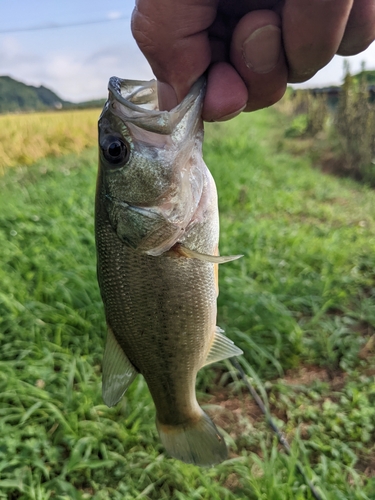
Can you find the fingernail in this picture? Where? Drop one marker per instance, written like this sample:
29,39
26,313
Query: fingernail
261,49
230,116
167,96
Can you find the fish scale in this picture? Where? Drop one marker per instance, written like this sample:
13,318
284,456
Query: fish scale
144,294
157,229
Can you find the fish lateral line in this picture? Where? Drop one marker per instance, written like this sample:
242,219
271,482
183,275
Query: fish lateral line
179,250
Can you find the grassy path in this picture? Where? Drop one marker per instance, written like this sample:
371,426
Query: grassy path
300,303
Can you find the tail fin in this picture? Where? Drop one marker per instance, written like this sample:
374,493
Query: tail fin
196,442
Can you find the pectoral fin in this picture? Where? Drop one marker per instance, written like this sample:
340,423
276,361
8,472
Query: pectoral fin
216,259
221,348
118,372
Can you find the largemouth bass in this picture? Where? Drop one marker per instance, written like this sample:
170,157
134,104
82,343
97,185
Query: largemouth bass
157,232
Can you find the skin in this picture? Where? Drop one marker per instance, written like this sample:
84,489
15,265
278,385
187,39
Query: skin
250,49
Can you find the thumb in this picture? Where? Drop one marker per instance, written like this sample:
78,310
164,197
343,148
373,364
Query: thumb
173,37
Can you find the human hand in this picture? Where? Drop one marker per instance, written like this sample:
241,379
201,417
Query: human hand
249,48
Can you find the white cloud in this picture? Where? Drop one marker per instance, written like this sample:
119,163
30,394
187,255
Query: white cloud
9,48
13,54
74,76
114,14
18,62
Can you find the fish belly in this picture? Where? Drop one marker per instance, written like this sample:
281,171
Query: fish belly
162,311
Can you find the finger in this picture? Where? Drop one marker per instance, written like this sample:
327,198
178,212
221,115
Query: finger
360,29
257,55
312,32
226,94
173,37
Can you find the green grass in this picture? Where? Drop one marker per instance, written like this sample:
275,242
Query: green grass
299,303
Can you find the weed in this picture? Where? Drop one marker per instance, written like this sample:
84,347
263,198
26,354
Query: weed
355,127
310,111
343,127
301,293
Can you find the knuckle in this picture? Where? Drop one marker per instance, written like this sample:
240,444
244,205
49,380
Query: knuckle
143,31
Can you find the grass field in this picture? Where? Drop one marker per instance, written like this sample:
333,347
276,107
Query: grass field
300,303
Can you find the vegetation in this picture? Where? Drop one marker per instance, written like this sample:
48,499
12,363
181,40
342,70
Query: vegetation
366,75
300,303
355,129
310,111
341,128
27,138
16,97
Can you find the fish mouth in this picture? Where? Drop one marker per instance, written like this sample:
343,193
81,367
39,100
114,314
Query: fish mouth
155,227
136,101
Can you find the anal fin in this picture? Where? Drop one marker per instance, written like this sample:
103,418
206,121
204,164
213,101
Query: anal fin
221,348
118,372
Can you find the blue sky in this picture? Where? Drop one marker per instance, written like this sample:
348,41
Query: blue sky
76,62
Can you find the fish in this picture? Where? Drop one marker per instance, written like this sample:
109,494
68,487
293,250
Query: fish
157,234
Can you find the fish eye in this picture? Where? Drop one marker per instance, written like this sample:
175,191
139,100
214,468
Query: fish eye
115,150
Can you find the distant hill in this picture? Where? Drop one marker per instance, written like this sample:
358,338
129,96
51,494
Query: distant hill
16,97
